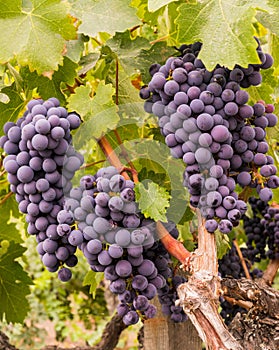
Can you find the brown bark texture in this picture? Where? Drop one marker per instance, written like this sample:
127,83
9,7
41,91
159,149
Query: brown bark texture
259,327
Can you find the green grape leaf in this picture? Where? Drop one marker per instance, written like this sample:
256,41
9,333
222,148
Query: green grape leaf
153,200
10,111
143,13
136,55
157,53
8,231
14,285
93,280
127,50
88,62
51,87
155,156
222,244
35,31
99,112
104,16
154,5
186,236
275,53
226,24
74,49
269,19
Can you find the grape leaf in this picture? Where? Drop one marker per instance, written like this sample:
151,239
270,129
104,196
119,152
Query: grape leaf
222,244
51,87
227,24
275,53
136,55
127,50
154,5
93,280
10,111
8,231
157,53
270,18
35,31
99,112
186,236
14,285
153,200
104,16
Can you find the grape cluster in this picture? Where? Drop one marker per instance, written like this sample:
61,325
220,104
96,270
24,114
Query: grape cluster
262,231
38,148
116,239
206,121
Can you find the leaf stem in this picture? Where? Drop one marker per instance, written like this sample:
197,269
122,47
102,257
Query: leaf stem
6,197
88,165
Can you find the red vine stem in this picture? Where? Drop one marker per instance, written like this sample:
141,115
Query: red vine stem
112,156
125,155
242,260
174,247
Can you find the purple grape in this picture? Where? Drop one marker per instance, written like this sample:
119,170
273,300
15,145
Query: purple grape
118,286
197,106
265,194
220,133
225,226
123,268
131,317
211,225
150,312
104,258
139,282
244,178
141,303
114,250
205,122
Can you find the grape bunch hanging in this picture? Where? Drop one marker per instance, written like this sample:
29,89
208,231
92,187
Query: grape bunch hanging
206,121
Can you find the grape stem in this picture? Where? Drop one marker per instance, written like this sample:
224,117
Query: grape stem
242,260
6,197
88,165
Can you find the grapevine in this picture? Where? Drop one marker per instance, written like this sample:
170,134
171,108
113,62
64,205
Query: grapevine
139,166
